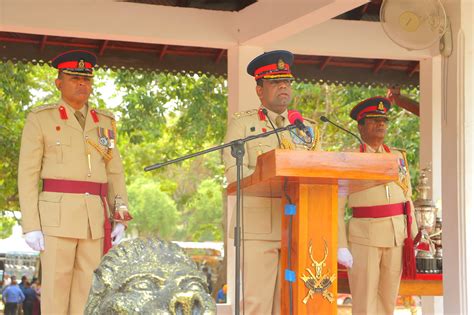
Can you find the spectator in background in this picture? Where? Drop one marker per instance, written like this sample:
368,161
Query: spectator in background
30,298
36,285
222,294
22,284
12,296
6,282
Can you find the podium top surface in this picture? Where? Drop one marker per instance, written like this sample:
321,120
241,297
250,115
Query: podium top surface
351,171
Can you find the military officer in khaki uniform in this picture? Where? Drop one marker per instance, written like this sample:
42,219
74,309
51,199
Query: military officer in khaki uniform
262,216
71,148
371,245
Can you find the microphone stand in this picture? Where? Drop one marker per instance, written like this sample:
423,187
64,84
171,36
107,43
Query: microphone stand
238,152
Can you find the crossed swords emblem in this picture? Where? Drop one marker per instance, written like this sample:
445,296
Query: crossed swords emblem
318,282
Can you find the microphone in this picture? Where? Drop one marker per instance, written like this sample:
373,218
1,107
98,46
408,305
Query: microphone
296,119
326,120
265,112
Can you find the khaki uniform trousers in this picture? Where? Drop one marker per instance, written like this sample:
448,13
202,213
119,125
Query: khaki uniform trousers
374,278
68,266
261,275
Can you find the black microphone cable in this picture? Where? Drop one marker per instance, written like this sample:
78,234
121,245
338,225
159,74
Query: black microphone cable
265,112
325,119
290,240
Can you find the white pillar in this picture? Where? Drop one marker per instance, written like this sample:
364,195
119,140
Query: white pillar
430,143
466,71
241,96
430,121
458,163
241,86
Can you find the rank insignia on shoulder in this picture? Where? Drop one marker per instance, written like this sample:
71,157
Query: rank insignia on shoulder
105,113
245,113
43,107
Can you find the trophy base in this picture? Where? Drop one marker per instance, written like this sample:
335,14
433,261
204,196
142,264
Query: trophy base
427,265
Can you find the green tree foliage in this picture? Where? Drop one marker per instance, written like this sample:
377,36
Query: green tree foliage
154,211
6,226
164,116
205,212
18,86
15,97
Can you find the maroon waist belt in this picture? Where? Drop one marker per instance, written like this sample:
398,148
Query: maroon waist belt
378,211
75,187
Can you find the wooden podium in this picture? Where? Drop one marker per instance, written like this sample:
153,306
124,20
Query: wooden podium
314,180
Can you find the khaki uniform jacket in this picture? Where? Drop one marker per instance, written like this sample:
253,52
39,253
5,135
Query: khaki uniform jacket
56,148
379,232
262,216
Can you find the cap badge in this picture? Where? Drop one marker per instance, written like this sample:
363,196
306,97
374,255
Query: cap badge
281,64
81,64
381,107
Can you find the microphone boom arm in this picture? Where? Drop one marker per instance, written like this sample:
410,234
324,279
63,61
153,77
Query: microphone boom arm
325,119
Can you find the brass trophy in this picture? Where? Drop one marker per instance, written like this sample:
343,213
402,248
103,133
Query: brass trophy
425,215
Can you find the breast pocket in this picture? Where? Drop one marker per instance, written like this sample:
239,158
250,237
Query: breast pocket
255,150
59,147
50,210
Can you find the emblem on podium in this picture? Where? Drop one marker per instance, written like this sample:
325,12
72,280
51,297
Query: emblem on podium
318,282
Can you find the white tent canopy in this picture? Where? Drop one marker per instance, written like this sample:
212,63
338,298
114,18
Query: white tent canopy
15,243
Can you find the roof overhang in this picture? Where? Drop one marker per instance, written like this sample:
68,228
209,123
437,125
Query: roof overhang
165,38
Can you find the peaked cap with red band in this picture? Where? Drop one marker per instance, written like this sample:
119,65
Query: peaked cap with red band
371,108
272,65
75,62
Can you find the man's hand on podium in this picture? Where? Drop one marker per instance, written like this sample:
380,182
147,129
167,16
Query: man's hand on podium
344,257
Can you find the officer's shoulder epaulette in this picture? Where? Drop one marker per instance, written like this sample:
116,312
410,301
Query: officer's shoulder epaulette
43,107
311,121
105,113
245,113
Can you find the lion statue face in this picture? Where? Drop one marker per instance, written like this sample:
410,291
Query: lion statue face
148,276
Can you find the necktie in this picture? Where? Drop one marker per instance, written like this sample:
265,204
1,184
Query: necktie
280,121
80,118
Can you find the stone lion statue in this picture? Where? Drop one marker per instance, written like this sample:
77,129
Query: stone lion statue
148,276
